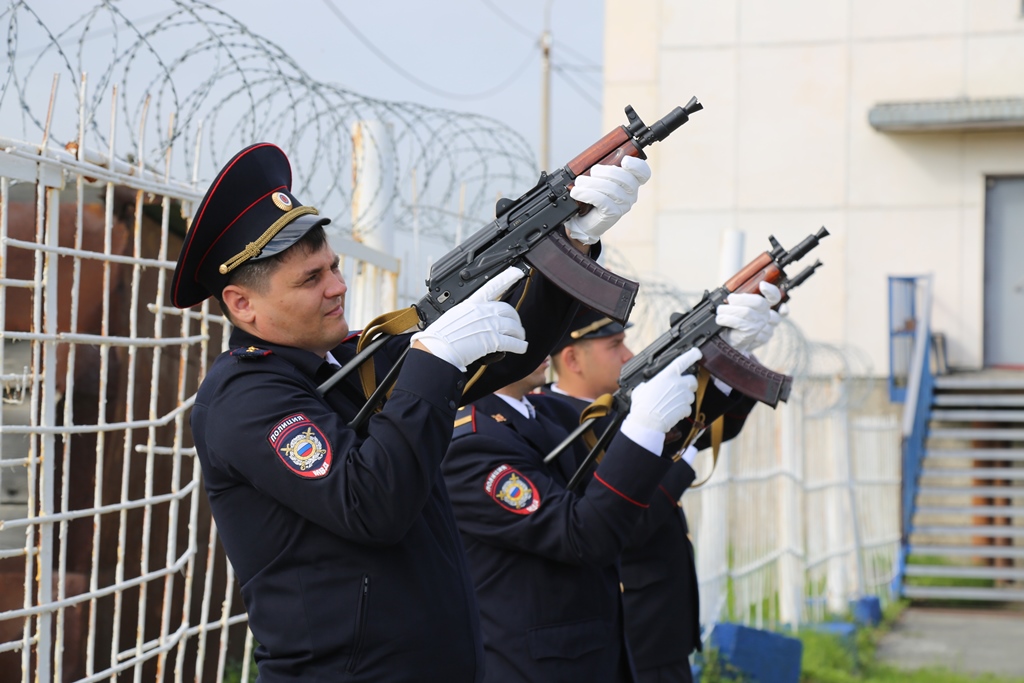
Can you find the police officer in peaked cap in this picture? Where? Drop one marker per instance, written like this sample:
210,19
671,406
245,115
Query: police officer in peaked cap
344,541
660,598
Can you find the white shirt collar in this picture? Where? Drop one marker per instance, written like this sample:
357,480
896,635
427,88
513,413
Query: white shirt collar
523,407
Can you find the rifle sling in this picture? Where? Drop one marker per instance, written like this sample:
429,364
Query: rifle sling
603,405
717,427
397,322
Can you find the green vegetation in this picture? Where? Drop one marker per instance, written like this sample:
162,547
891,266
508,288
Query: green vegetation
827,659
941,580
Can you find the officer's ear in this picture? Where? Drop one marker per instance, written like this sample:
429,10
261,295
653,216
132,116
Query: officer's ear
239,304
571,359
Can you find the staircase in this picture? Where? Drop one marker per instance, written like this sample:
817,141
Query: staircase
966,540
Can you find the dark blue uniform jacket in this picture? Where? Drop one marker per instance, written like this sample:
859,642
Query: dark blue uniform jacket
544,559
660,599
344,543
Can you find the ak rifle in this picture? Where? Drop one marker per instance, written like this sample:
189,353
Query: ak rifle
527,233
697,328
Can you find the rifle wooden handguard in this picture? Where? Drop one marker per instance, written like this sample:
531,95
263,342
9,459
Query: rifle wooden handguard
744,374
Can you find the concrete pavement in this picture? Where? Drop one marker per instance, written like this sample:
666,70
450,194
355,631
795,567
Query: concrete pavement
965,640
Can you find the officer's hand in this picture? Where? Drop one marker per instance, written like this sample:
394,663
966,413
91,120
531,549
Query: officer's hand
660,402
746,316
611,191
774,318
478,326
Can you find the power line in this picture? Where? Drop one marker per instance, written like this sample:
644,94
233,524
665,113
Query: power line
532,36
413,79
580,90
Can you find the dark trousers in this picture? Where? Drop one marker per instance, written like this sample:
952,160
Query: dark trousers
673,673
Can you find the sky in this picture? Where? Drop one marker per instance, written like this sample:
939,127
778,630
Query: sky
481,56
478,56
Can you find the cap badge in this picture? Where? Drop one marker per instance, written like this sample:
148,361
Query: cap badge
281,201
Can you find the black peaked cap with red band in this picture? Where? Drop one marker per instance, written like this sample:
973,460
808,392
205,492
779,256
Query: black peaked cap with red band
249,195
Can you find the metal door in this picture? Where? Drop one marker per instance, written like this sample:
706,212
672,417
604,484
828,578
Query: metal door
1004,272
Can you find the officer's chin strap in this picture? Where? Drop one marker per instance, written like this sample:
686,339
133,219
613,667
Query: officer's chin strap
395,323
717,427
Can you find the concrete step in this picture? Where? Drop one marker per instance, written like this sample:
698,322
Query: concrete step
948,572
1016,454
1013,381
1003,473
973,510
948,415
976,433
979,400
967,550
1016,492
964,593
983,530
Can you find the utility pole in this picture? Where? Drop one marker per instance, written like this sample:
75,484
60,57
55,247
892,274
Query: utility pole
545,89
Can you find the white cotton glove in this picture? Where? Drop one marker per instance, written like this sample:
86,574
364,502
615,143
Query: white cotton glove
746,315
774,318
611,191
478,326
661,402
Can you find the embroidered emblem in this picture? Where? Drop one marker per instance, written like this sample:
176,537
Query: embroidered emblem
302,447
281,201
512,491
250,352
498,417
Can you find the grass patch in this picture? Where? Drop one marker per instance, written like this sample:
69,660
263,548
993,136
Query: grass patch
827,659
932,561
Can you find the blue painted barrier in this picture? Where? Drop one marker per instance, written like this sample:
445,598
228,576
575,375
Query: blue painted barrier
867,611
762,656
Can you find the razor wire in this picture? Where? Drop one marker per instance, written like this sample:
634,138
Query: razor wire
200,72
801,515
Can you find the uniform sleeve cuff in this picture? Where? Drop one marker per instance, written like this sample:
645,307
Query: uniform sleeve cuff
648,439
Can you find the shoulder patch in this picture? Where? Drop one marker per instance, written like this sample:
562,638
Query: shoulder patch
302,446
512,491
250,352
465,422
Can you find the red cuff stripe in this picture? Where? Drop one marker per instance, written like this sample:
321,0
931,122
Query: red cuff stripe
612,488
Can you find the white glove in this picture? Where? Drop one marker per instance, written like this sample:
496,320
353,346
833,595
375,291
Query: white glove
611,191
774,318
661,402
746,315
478,326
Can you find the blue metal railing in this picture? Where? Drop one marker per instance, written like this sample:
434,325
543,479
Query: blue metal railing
902,324
910,304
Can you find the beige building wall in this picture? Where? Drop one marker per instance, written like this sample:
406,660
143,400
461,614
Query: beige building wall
784,146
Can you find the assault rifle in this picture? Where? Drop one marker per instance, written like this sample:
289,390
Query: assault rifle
697,328
527,233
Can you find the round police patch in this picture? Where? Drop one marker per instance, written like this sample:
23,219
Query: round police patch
512,491
302,447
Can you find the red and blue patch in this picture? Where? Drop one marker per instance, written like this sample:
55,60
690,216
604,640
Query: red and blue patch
512,491
302,446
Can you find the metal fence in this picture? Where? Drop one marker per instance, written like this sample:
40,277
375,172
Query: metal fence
109,563
802,513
